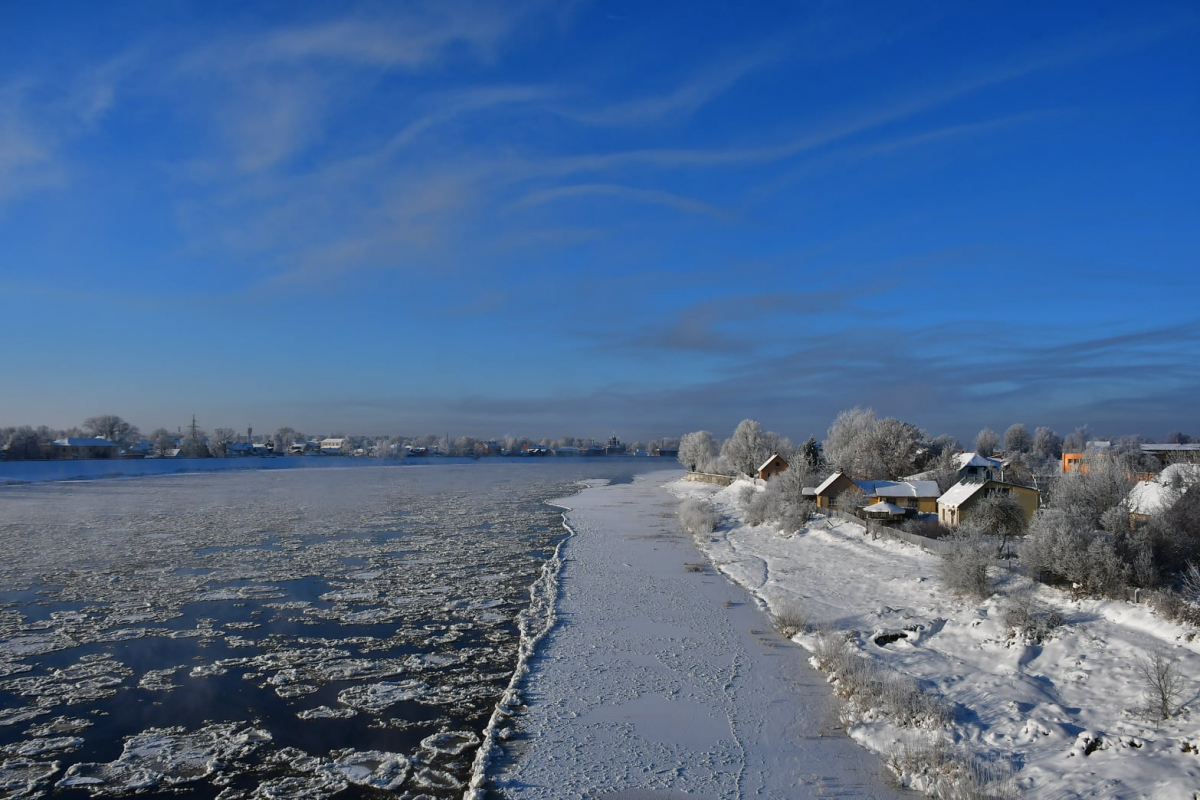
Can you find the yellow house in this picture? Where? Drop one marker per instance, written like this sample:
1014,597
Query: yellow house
954,507
827,494
920,496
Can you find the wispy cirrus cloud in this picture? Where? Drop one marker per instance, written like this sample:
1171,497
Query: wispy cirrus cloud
685,99
656,197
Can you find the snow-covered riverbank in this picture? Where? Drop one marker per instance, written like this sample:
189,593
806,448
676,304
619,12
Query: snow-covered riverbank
1062,715
661,678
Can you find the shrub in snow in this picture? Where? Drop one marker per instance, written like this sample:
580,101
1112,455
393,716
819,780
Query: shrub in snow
780,504
1162,684
1028,620
1189,581
871,688
949,773
963,564
790,618
1061,548
698,516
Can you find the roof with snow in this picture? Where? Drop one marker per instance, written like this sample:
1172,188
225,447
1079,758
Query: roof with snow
883,508
900,488
959,493
1152,497
78,441
964,460
825,484
767,463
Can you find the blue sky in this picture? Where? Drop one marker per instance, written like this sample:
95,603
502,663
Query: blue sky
574,218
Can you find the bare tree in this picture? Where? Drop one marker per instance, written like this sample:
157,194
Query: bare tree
1162,684
219,443
112,428
284,438
986,441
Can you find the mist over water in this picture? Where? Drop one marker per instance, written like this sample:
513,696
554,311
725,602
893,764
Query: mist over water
295,633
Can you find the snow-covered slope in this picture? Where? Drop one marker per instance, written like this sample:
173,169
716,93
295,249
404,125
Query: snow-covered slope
1063,715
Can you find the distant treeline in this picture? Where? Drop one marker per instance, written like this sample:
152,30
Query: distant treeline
191,441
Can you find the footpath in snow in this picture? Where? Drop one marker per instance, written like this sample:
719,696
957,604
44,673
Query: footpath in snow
1063,717
662,679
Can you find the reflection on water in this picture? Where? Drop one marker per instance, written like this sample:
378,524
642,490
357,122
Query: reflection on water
267,634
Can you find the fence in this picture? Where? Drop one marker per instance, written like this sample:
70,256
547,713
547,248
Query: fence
709,477
877,529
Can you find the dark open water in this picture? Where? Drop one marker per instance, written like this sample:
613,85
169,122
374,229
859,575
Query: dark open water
282,634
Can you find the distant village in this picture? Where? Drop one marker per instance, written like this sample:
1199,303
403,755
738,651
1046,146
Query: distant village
111,437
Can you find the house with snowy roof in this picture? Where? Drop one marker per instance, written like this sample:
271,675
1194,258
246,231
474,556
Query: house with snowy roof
975,467
76,447
831,489
954,507
1174,453
1148,498
332,446
772,467
919,496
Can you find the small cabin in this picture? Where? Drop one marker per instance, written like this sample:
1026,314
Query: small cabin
772,467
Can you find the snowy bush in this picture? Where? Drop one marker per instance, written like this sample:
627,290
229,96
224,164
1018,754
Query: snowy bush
870,687
790,618
1028,620
948,773
1061,548
1174,606
963,564
780,504
698,516
1190,584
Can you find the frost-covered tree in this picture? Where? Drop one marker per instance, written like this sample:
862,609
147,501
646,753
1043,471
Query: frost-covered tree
1017,439
1001,516
284,438
747,448
898,444
1047,445
697,450
986,441
218,443
163,440
872,449
943,443
1076,442
945,470
25,444
1177,437
111,427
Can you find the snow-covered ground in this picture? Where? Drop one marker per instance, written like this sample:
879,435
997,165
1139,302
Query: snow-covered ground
662,679
1063,715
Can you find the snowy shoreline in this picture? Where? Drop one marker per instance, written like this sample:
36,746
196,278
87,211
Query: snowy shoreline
660,676
1060,717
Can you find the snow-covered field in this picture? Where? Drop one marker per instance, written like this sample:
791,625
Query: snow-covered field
1062,717
662,679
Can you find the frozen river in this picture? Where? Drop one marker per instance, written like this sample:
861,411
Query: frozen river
293,633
